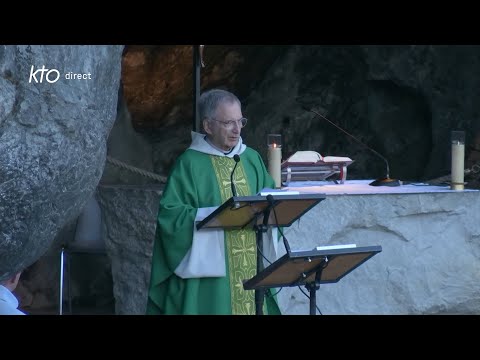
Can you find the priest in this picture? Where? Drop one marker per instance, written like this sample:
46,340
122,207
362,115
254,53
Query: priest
202,272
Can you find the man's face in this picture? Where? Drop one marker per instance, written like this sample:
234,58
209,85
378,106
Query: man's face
220,134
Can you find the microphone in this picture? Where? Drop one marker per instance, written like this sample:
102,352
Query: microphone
386,181
266,212
234,190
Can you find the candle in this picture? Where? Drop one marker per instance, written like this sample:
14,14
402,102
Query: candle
458,160
274,164
458,156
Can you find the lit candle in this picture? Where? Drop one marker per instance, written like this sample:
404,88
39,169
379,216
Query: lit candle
274,164
458,160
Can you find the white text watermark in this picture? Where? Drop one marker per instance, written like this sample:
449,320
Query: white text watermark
53,75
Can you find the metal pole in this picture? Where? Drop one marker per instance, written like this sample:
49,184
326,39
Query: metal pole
60,310
196,86
313,298
259,292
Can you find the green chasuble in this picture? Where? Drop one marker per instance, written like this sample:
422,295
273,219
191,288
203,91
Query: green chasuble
200,180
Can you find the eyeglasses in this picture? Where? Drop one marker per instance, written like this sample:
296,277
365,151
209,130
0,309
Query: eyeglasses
229,124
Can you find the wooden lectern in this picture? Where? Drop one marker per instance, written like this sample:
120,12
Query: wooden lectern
311,268
260,212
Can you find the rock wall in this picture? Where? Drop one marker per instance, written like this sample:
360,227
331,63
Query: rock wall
53,133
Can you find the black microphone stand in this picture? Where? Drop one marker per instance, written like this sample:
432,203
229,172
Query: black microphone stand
386,181
236,205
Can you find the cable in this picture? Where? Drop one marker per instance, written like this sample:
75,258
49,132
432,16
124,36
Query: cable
308,297
272,295
288,250
285,241
263,256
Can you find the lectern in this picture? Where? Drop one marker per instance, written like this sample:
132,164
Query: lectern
311,268
260,212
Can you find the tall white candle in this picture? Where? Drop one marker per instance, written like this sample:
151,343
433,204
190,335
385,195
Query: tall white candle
458,166
274,164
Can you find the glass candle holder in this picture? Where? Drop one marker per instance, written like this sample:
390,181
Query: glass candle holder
458,160
275,158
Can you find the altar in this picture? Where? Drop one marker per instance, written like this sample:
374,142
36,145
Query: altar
430,239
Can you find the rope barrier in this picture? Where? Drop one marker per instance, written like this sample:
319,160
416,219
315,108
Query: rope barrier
121,164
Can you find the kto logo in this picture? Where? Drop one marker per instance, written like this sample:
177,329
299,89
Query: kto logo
51,75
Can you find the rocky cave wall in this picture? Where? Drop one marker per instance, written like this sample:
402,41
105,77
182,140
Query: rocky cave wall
401,100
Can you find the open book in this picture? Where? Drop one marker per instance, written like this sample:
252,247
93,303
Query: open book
312,157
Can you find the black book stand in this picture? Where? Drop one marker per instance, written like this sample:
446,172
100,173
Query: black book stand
311,268
260,212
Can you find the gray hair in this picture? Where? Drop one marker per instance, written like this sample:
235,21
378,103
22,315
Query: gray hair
211,99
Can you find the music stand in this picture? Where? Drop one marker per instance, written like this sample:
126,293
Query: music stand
311,268
258,212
